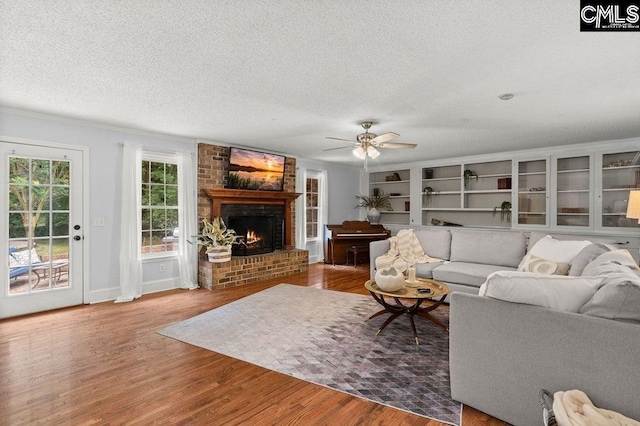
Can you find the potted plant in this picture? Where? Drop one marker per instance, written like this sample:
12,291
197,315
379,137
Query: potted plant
216,239
429,193
467,176
505,211
374,203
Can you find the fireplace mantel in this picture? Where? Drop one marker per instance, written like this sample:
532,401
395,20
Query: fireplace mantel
220,196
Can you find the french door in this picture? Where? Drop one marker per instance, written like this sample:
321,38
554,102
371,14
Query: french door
41,188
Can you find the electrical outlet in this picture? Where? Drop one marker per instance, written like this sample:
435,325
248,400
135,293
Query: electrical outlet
162,267
98,221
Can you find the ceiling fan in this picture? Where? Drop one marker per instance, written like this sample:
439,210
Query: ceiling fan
367,144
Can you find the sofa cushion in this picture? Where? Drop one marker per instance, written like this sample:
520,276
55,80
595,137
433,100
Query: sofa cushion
619,297
586,256
435,243
489,248
556,250
557,292
612,262
534,237
531,263
425,270
472,274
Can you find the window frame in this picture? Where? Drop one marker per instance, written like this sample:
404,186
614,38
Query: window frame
165,159
318,208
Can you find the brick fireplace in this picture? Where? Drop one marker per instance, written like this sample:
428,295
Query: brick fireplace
215,200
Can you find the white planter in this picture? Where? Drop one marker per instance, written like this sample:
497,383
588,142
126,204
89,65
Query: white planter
389,279
220,254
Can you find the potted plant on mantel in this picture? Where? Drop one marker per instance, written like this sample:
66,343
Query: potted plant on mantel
374,203
217,240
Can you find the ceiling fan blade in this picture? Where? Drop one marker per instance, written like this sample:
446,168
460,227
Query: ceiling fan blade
340,139
340,147
384,137
397,145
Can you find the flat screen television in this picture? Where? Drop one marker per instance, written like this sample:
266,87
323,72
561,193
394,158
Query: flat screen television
255,170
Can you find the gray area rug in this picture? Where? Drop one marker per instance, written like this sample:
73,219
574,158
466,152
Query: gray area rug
322,336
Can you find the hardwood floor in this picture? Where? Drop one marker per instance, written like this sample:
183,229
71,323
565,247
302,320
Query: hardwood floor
104,364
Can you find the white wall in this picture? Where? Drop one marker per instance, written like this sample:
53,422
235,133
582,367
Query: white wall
343,184
105,159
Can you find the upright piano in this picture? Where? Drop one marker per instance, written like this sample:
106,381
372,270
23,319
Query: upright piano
358,233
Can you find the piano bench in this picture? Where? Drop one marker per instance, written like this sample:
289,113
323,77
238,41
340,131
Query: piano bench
355,250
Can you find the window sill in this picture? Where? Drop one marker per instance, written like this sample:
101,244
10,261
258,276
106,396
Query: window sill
159,257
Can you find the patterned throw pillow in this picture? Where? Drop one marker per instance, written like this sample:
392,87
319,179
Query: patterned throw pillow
531,263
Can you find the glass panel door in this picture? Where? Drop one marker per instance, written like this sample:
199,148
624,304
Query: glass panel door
40,224
532,192
620,174
573,191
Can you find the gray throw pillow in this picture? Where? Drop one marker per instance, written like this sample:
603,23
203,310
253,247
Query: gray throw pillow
586,256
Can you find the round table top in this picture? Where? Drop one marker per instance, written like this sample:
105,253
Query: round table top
437,289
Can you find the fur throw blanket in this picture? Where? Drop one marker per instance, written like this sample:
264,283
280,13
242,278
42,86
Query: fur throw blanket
405,251
574,408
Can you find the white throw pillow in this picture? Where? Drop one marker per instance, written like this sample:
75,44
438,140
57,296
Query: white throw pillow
559,251
557,292
531,263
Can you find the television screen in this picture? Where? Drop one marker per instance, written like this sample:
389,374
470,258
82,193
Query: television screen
255,170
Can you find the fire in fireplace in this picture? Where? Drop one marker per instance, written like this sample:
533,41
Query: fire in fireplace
256,234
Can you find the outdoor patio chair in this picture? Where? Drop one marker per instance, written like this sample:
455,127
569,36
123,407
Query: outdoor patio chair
19,261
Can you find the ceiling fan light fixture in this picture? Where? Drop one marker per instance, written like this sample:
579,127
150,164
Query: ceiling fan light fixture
372,152
360,152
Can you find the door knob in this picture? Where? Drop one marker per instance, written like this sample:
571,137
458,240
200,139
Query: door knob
77,238
76,227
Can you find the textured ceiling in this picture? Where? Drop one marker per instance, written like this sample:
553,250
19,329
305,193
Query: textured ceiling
282,75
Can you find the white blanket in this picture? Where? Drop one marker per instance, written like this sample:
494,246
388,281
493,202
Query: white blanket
405,251
574,408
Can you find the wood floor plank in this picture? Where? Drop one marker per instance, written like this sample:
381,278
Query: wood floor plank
104,364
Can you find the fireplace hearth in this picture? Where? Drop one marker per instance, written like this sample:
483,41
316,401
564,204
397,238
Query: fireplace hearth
256,234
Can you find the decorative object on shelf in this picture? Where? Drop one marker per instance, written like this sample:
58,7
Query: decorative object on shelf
367,144
394,194
504,183
376,191
429,194
407,206
437,222
393,178
217,240
428,173
389,279
618,163
620,206
373,203
573,210
537,189
467,176
505,211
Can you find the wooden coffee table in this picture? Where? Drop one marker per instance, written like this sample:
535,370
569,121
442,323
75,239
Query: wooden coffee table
415,299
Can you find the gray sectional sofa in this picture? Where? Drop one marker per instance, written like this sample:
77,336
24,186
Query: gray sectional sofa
502,353
471,255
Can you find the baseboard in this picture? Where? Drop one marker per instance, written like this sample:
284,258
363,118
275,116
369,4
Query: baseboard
112,293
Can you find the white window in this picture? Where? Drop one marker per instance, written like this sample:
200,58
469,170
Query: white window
312,207
159,206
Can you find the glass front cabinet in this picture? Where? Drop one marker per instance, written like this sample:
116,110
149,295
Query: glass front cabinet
532,200
620,174
573,191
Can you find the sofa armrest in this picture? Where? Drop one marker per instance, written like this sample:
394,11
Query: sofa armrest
501,354
376,248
